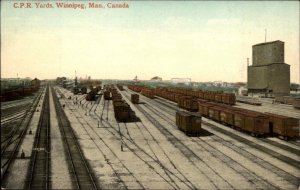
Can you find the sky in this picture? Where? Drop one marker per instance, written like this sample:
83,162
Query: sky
201,40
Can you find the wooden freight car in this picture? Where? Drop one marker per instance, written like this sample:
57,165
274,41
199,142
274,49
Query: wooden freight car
218,98
181,99
214,113
190,104
251,121
238,119
148,93
135,88
116,96
201,94
135,98
226,116
121,110
107,95
256,124
228,98
203,108
285,127
188,122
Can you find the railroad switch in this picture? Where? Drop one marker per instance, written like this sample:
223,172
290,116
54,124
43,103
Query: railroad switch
22,154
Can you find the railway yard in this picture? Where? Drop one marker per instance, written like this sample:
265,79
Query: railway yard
56,139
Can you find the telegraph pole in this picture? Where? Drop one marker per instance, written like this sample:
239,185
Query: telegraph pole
265,35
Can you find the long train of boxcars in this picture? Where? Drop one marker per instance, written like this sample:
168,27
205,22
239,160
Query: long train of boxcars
123,112
19,92
218,107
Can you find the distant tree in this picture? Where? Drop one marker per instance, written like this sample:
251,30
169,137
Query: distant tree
294,87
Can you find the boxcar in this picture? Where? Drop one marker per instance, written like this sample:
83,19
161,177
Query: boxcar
148,93
200,94
188,122
226,116
228,98
214,113
238,119
283,126
218,98
135,98
190,104
256,124
106,94
121,110
203,108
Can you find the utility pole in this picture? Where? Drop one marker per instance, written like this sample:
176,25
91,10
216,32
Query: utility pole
265,35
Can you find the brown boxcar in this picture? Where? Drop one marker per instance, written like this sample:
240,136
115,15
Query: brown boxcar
283,126
256,123
200,94
148,92
135,98
181,101
226,116
106,94
228,98
212,96
121,110
218,98
214,113
188,122
238,119
190,104
203,108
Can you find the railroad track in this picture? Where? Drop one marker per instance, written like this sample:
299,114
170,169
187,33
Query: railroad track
11,143
11,112
182,178
39,169
234,164
257,181
82,174
255,145
141,154
94,136
12,117
270,167
185,150
16,103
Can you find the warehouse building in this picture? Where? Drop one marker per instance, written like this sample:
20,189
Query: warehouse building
269,74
